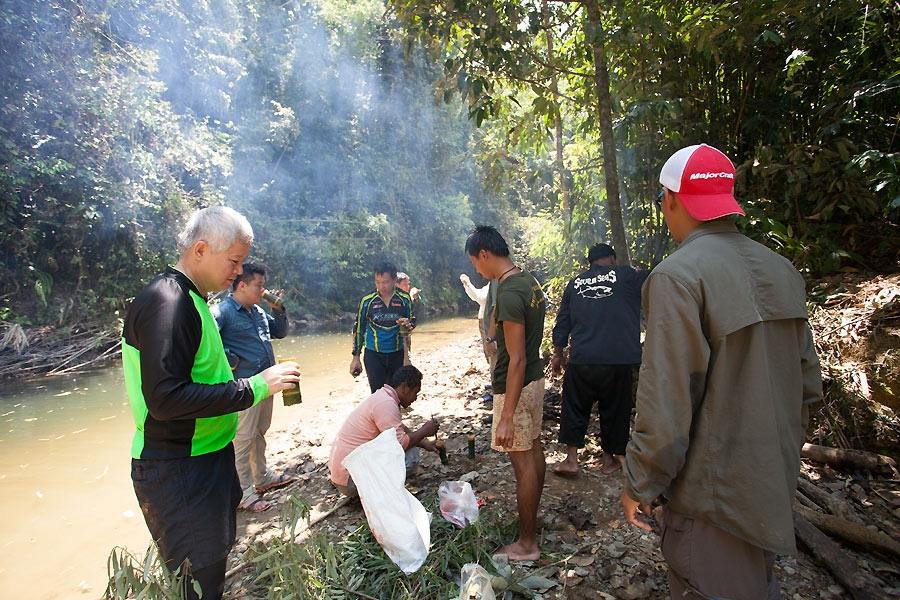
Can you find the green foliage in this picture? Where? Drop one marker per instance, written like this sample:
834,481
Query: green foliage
322,568
92,157
789,91
147,578
120,118
318,119
801,95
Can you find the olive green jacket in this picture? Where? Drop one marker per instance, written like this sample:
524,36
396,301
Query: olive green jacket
728,370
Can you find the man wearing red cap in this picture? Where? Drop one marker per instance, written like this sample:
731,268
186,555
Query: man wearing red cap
728,371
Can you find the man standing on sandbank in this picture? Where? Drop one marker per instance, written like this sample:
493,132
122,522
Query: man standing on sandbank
184,400
729,369
517,379
383,318
247,331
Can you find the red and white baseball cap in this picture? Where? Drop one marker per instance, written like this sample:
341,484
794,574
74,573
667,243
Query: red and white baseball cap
703,178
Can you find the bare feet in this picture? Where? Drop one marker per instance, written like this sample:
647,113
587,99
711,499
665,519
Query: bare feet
566,468
519,551
610,463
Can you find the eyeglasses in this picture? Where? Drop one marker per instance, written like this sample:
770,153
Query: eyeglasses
659,199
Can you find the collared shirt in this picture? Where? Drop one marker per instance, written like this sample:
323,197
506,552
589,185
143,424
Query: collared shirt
247,335
728,371
376,322
379,412
601,311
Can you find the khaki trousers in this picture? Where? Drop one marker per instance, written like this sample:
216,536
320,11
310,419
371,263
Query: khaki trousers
706,562
250,445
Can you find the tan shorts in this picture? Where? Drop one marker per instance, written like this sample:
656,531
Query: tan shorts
526,420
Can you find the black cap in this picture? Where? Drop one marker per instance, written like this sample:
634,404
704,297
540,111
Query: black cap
600,251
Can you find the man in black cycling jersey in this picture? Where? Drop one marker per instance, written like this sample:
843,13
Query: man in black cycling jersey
377,329
184,400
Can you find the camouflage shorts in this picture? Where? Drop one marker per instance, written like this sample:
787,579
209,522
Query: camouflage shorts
526,420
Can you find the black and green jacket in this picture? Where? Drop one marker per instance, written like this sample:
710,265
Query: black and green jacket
182,393
376,325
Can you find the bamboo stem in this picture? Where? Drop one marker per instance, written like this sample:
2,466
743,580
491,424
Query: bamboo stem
312,522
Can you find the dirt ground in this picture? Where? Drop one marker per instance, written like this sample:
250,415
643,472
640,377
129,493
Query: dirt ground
580,516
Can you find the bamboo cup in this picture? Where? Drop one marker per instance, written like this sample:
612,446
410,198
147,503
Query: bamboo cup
291,396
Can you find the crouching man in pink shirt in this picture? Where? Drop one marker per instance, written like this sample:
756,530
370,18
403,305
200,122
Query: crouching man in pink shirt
378,413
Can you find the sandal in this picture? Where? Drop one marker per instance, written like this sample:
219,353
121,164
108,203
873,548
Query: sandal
254,504
280,481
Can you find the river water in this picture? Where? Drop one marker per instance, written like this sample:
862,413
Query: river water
65,488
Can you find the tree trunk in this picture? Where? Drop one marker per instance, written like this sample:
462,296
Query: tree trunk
596,37
826,500
559,163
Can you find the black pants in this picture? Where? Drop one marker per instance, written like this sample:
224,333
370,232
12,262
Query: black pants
380,366
608,386
211,580
189,505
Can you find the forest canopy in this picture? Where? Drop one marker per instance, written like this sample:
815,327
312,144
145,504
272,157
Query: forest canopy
351,131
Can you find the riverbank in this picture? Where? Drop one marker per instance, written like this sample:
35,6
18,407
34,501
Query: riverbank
49,350
27,353
64,456
65,463
589,551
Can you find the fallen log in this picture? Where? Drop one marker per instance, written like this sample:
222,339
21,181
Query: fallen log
857,459
860,585
851,532
826,500
804,500
105,356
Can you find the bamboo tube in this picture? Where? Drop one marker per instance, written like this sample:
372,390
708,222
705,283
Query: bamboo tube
442,452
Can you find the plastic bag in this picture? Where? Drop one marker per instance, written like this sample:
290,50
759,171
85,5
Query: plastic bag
475,584
458,503
397,519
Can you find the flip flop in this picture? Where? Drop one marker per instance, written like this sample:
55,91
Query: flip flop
257,505
280,481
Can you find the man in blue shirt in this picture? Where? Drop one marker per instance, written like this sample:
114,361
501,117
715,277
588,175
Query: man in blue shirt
601,312
247,331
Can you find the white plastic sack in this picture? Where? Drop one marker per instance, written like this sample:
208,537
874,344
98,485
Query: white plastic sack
475,583
458,503
398,521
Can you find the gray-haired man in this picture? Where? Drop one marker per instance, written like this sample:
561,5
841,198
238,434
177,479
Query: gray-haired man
184,400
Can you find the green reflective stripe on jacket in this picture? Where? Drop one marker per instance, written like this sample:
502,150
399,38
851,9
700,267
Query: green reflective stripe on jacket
260,388
211,366
131,365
